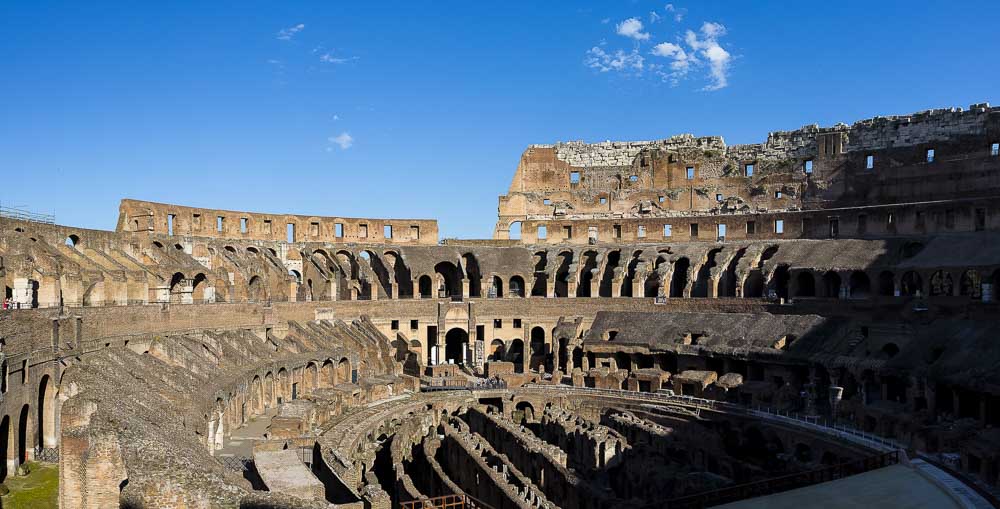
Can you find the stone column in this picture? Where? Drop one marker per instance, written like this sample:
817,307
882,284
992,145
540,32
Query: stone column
186,291
416,288
395,291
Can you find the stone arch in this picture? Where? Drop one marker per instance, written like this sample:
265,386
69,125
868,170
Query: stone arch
703,282
496,287
256,290
630,273
198,287
450,279
680,277
970,284
344,375
886,284
404,281
587,269
541,278
23,430
728,282
472,272
861,287
911,284
942,284
779,282
536,346
72,240
561,286
46,419
515,354
607,278
805,284
497,350
328,374
578,357
425,286
456,342
831,284
753,285
516,286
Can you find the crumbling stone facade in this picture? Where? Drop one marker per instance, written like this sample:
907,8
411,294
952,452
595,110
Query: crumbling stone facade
209,358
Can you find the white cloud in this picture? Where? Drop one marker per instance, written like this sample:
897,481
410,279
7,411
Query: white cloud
654,17
707,46
680,61
344,140
632,28
677,12
286,34
619,61
336,117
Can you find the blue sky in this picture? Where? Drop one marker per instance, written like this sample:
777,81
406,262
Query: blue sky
422,109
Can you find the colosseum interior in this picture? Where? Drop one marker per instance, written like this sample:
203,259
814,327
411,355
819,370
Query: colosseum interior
804,322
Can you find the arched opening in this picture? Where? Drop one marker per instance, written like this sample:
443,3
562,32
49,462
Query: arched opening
971,285
561,287
255,290
586,274
779,282
941,284
623,361
911,284
886,284
497,351
651,287
455,345
525,410
451,280
4,443
630,274
563,354
426,287
473,274
831,285
538,350
728,282
344,372
541,278
515,354
22,435
514,230
404,281
46,433
861,287
607,280
72,240
753,286
516,287
805,284
328,374
702,283
198,288
496,288
578,357
678,282
890,350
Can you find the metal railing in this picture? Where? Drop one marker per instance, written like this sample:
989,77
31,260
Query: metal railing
237,464
461,501
24,215
782,483
825,426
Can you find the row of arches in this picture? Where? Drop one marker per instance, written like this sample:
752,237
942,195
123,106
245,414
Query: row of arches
28,429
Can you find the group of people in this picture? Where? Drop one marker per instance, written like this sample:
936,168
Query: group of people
494,382
9,303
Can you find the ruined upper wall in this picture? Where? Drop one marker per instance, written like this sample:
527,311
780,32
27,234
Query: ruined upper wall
869,134
167,219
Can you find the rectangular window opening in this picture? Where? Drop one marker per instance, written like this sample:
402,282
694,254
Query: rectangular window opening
338,230
751,227
777,194
694,230
721,231
394,325
517,323
543,232
930,155
603,200
220,223
568,232
415,232
779,226
748,170
808,167
290,232
547,201
592,233
170,224
267,227
641,232
667,230
618,231
497,323
690,172
244,222
314,229
869,162
414,324
834,227
574,177
995,149
661,199
196,220
387,231
363,231
718,197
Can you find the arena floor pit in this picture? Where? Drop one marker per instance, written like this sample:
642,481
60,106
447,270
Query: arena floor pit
806,322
